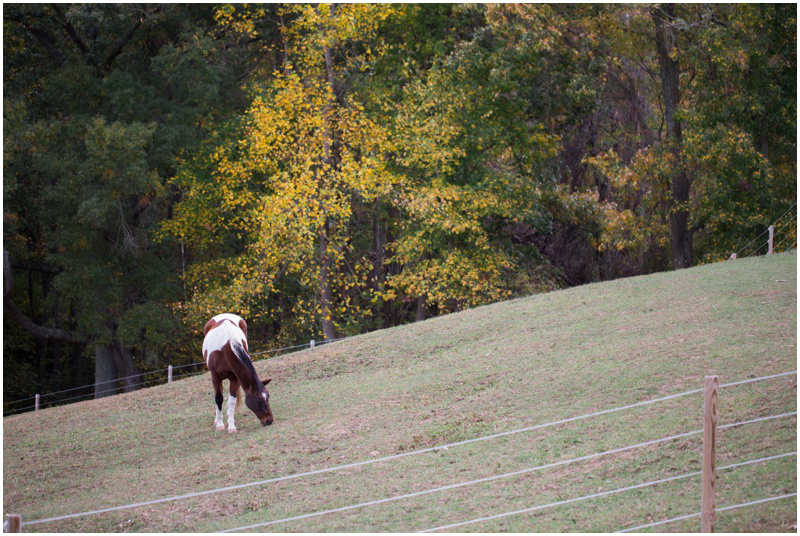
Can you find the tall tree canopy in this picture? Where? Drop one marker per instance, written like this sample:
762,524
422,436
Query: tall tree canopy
325,170
99,101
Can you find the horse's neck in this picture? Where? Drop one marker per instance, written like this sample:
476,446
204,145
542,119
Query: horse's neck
250,385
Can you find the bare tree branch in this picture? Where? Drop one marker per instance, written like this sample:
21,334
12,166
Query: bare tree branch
121,45
40,332
73,34
44,38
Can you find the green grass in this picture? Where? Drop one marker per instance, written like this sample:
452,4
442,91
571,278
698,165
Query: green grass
487,370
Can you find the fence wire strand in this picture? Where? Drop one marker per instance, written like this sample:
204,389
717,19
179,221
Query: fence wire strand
789,223
785,238
722,509
765,232
320,343
87,386
606,493
175,367
524,471
463,484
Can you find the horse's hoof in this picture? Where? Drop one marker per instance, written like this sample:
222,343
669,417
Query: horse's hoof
220,428
232,430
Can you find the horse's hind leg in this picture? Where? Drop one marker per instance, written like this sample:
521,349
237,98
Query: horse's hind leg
232,405
217,381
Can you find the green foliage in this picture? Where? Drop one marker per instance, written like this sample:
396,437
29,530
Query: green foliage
334,169
290,180
738,108
475,161
743,120
99,101
734,183
150,328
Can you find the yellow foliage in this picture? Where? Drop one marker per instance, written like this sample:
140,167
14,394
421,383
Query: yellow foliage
304,163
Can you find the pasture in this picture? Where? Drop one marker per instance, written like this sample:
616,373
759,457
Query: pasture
483,371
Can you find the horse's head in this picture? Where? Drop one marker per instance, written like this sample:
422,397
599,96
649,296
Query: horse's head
258,402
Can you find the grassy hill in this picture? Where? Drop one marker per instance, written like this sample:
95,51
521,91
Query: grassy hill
487,370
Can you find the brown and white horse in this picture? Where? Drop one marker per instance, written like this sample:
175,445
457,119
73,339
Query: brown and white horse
227,357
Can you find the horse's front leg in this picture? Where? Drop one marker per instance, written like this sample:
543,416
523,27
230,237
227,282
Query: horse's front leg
232,405
217,381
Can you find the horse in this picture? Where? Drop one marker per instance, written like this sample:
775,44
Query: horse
226,355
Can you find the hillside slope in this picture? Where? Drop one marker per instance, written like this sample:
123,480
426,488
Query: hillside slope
487,370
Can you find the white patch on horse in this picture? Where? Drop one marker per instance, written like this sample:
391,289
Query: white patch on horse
228,316
220,335
218,421
231,411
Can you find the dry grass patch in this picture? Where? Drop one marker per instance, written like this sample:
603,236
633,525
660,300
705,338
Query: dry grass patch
483,371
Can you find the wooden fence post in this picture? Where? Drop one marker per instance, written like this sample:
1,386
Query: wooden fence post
707,516
13,523
771,236
169,374
36,404
312,343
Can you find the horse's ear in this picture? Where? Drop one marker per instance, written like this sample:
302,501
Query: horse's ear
267,381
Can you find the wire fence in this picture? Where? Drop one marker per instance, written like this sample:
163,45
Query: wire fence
622,490
485,479
784,228
117,385
522,472
719,509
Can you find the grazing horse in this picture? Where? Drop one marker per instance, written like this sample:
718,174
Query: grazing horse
226,355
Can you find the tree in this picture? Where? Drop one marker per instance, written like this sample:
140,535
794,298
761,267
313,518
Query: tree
98,101
475,155
332,169
306,159
680,236
742,142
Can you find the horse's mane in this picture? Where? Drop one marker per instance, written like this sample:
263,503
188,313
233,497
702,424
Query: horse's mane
241,353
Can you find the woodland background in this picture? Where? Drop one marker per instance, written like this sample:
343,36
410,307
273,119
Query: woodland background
328,170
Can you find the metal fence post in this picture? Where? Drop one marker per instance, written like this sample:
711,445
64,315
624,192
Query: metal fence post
169,374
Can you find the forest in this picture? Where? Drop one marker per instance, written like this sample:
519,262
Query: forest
325,170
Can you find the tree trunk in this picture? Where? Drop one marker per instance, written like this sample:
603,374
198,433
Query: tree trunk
379,244
388,268
114,362
381,266
422,309
680,235
126,367
79,372
329,158
326,295
105,372
40,332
